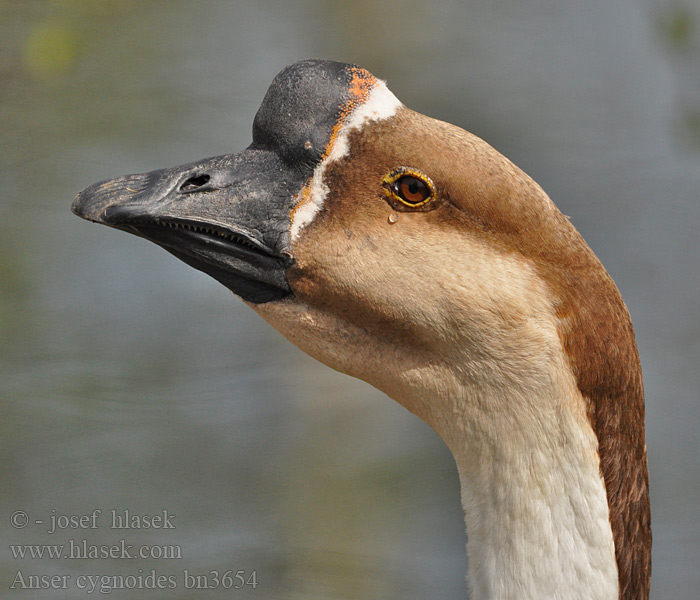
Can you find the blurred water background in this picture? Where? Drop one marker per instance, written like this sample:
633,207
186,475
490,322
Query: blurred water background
130,381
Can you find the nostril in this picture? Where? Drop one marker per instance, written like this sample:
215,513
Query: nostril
194,182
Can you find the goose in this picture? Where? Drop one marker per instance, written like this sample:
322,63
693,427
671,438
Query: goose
409,253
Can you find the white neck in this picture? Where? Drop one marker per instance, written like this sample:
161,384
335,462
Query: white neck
535,504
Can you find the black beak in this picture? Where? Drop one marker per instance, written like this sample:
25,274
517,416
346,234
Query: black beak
228,216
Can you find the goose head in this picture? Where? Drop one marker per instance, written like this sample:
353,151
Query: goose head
409,253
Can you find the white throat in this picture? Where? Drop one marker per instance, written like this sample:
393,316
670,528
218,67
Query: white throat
535,503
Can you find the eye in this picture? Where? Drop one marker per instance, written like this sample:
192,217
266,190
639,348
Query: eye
409,187
411,190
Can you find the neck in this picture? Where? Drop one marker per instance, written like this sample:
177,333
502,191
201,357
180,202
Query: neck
535,503
535,507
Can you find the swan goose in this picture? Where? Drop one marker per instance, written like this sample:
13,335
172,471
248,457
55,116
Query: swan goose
409,253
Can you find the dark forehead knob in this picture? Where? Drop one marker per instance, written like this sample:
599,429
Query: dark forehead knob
302,106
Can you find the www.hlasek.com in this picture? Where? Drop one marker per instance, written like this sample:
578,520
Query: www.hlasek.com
82,549
106,584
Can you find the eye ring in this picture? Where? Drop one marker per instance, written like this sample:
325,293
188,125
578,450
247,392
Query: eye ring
408,187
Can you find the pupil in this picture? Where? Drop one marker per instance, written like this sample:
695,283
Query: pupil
413,187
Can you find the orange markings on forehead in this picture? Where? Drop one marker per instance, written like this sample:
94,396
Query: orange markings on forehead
360,86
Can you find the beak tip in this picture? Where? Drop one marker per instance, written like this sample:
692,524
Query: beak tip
78,206
93,202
